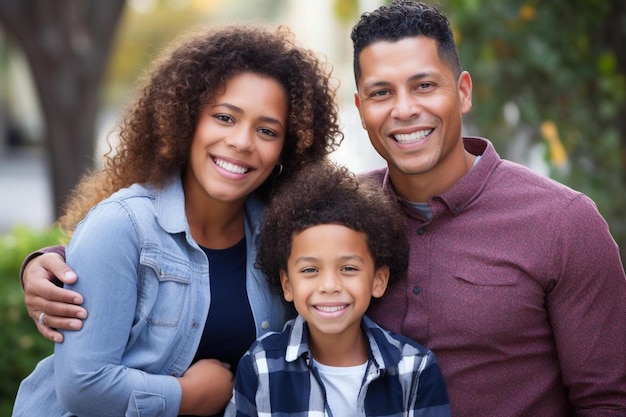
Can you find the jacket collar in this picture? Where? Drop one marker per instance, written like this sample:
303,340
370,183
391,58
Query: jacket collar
170,208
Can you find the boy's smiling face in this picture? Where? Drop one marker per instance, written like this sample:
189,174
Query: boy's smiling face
331,278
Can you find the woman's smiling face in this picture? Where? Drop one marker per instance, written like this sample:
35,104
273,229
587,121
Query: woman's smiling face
238,139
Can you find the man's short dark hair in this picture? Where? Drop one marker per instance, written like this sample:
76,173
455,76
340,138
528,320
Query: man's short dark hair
405,19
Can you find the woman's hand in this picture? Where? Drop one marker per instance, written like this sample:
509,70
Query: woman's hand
50,306
207,387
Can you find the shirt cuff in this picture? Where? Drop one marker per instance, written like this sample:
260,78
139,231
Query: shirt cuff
60,250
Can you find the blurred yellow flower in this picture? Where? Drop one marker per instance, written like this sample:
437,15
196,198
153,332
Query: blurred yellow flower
558,155
527,12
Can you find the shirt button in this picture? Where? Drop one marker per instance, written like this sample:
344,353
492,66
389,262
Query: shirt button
265,325
420,231
195,325
416,290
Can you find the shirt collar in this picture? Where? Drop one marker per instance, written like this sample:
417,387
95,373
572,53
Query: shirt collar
466,189
383,352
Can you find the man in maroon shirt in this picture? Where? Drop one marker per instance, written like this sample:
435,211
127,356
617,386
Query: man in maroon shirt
514,280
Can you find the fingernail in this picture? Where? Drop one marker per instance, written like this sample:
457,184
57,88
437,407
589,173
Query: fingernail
73,325
70,275
81,315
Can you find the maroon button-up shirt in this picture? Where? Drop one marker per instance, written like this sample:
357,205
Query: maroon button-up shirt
517,286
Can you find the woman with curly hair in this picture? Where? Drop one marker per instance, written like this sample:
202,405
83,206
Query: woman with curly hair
164,235
332,244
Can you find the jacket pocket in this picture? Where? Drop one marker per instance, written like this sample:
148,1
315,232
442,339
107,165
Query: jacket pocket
164,287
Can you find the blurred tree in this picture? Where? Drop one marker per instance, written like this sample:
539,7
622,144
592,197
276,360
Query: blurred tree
67,43
553,73
142,34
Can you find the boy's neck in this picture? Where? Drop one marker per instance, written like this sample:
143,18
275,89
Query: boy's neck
341,350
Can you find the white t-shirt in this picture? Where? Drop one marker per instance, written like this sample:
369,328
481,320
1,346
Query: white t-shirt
342,385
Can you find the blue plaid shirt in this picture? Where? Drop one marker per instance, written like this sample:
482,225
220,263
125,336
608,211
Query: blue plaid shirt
276,377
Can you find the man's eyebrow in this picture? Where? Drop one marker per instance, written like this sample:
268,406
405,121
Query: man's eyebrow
414,77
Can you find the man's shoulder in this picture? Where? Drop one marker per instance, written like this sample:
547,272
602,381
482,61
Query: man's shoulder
377,175
529,180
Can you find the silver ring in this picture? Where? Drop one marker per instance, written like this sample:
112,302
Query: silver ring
42,317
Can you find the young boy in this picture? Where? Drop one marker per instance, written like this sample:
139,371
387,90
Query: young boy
331,244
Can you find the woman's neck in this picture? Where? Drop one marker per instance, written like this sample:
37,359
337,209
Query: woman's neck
215,224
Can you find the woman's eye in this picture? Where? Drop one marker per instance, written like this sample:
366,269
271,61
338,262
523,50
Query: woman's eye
349,269
224,118
267,132
309,270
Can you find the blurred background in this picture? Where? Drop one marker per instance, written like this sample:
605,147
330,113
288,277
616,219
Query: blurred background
549,91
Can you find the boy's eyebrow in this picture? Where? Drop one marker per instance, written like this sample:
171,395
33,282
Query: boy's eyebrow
313,258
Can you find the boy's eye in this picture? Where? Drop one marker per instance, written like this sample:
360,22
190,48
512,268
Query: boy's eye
349,268
308,270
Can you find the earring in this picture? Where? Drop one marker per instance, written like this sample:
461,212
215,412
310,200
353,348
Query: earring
280,170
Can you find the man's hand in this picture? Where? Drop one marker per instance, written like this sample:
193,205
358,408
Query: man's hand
50,306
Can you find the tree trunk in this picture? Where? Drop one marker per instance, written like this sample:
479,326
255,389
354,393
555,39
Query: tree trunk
67,43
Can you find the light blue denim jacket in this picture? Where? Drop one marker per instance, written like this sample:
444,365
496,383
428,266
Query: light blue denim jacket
146,286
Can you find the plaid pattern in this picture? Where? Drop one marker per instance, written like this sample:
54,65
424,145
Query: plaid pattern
277,378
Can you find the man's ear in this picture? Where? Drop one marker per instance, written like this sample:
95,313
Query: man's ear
465,92
284,282
381,279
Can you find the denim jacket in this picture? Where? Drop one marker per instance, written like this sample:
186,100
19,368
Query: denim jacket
147,291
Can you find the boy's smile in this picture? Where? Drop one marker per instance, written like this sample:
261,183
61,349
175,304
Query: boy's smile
331,279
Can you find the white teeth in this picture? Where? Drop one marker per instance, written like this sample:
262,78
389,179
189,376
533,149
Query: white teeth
412,137
236,169
330,309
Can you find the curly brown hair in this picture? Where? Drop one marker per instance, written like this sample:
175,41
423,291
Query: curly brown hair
156,132
327,193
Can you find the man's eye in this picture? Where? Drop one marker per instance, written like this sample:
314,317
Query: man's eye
380,93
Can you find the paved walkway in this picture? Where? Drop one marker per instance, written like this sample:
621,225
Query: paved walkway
25,193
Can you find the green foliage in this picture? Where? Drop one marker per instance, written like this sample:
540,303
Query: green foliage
561,66
557,62
22,346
